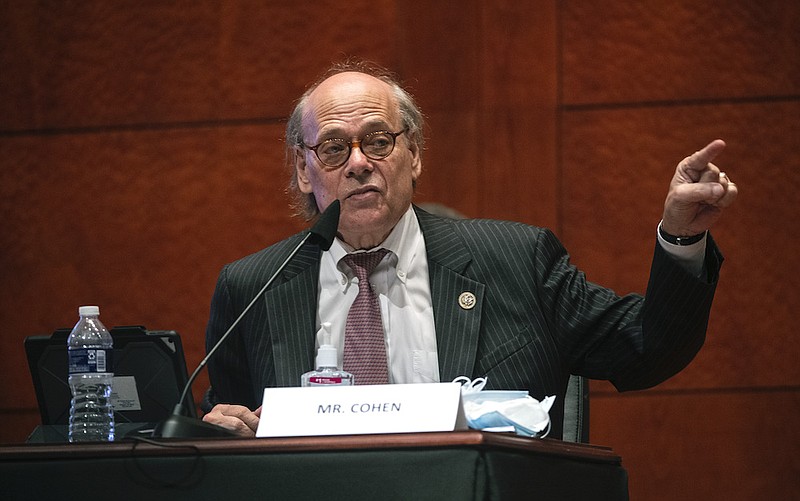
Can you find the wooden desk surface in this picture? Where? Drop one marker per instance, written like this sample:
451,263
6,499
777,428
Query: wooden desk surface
476,439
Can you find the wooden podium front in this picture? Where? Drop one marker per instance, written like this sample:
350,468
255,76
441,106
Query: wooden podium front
438,466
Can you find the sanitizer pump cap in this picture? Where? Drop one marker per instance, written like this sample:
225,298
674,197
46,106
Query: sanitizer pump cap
326,355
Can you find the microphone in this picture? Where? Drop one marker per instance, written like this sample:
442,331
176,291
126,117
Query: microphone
325,227
179,425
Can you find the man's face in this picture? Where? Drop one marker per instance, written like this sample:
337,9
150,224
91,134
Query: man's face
374,193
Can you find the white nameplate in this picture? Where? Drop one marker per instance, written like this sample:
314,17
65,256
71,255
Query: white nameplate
360,410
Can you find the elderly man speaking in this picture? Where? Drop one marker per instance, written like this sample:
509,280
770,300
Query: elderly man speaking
479,298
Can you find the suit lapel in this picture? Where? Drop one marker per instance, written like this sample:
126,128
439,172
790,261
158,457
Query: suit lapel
456,316
292,313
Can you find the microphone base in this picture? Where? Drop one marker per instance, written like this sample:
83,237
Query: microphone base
178,426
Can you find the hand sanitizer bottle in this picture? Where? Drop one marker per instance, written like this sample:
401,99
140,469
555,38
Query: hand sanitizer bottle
327,372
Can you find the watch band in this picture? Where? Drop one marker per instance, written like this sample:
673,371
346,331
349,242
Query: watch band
674,240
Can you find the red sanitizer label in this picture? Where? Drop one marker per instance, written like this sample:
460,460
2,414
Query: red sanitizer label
324,380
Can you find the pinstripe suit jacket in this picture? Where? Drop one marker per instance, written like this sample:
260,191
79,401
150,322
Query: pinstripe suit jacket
536,319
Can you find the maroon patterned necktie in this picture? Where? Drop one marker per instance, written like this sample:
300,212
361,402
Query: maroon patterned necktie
364,344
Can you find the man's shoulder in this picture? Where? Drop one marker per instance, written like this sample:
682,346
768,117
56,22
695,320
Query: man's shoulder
488,243
494,229
497,225
503,240
265,260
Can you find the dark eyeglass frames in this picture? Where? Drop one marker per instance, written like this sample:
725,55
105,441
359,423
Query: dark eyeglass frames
335,152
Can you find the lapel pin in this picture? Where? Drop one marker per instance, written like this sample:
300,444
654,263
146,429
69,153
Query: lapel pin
466,300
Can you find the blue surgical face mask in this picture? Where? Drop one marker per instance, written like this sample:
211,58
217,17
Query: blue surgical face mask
504,410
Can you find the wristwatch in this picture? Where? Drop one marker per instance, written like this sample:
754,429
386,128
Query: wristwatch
680,240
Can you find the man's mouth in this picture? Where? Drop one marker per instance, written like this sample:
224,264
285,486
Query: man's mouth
362,192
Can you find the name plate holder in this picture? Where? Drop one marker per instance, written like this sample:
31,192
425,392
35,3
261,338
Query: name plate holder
361,410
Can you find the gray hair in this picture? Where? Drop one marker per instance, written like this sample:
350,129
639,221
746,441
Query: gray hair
305,205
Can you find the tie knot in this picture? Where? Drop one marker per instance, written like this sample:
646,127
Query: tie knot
363,263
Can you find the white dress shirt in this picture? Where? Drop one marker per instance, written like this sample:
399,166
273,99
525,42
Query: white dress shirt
403,287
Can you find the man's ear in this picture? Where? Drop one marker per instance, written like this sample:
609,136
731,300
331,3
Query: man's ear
416,160
303,182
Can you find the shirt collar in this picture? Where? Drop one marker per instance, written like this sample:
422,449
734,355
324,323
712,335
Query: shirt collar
403,242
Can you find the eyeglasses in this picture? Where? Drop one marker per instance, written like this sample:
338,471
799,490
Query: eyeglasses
335,152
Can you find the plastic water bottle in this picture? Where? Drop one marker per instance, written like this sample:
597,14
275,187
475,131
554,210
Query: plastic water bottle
91,374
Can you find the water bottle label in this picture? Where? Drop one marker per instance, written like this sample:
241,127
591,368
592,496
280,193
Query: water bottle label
83,360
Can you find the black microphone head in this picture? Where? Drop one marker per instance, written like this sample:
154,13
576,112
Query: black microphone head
325,228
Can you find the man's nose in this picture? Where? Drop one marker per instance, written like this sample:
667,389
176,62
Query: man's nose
358,163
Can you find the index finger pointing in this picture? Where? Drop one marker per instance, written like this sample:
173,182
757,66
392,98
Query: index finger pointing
699,160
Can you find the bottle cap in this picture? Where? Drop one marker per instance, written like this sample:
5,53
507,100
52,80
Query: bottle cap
89,311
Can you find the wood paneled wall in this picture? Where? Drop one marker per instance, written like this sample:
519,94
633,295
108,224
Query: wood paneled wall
646,82
141,149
